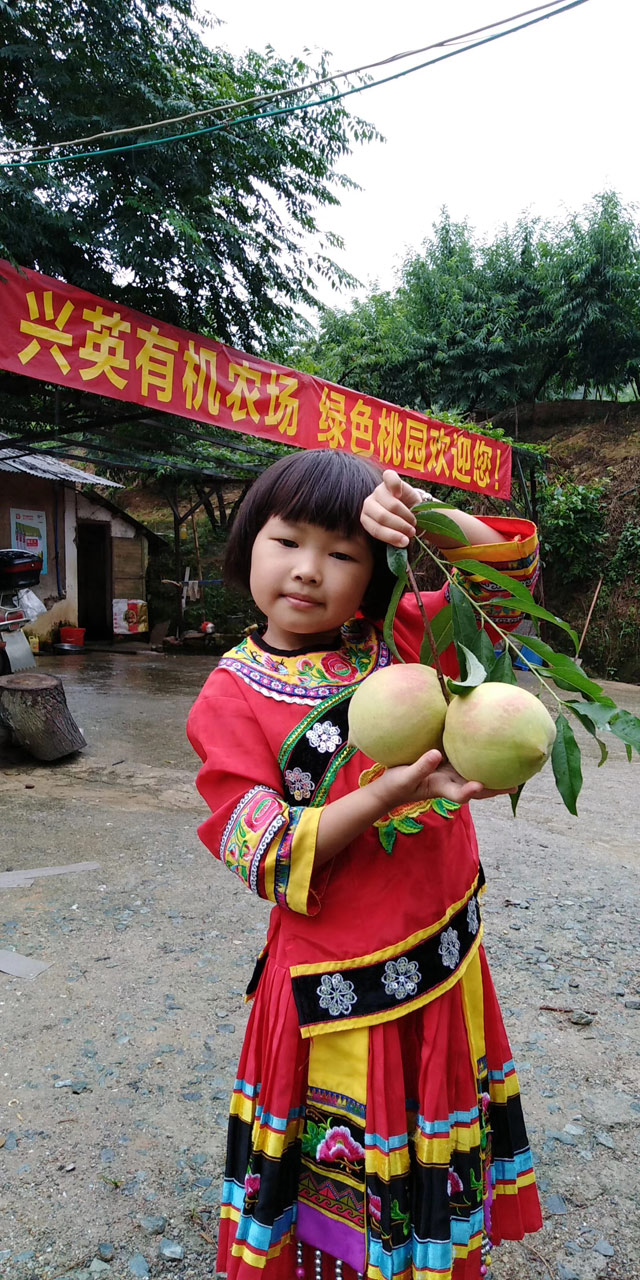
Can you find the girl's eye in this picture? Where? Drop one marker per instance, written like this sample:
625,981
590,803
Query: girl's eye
341,555
287,542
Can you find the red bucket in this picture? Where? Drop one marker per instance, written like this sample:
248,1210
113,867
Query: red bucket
72,635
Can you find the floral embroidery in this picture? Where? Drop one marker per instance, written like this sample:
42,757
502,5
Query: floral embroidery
324,737
454,1183
337,667
249,832
473,923
252,1185
299,783
336,994
312,677
375,1207
397,1216
339,1144
401,977
449,948
403,819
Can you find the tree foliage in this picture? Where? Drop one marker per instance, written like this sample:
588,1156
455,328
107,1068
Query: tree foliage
217,232
541,311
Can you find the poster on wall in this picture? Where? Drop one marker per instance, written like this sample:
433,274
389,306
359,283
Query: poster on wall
29,533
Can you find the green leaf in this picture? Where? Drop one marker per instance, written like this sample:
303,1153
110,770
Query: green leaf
515,796
581,711
475,673
387,836
598,713
407,826
442,630
564,672
397,560
502,670
519,597
387,629
435,522
466,631
433,506
565,760
627,728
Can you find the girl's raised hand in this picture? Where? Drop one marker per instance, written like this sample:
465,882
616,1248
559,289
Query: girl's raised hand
429,778
386,513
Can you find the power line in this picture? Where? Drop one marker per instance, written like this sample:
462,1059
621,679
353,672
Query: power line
284,93
283,111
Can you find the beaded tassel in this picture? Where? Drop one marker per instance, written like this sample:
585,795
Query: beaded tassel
338,1269
317,1261
299,1261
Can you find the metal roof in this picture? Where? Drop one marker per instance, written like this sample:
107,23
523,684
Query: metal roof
37,462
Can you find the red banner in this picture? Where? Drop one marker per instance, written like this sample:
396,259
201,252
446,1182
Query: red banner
57,333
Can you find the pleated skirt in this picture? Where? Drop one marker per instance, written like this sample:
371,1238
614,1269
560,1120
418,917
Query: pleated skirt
416,1175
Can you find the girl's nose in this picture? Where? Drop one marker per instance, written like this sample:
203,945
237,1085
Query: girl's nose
307,569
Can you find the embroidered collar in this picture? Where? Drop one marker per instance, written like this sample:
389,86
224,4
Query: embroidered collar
308,678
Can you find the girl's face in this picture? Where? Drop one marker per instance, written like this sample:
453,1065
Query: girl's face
307,581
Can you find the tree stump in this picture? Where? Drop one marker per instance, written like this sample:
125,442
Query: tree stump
34,708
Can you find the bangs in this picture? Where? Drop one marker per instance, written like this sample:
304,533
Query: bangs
326,489
321,487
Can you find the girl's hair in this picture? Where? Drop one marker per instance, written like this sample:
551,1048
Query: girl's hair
319,487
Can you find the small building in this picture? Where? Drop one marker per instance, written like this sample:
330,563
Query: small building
94,554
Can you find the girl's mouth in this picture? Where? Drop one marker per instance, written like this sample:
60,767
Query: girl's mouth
301,602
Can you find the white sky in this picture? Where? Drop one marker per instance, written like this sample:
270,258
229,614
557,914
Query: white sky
541,120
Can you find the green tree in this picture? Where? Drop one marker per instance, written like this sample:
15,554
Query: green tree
217,232
540,311
593,294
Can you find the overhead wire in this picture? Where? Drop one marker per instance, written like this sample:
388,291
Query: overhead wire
284,93
282,111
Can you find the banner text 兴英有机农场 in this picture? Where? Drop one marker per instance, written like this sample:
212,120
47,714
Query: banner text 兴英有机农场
57,333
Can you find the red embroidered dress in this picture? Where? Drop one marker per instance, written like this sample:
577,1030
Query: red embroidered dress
376,1115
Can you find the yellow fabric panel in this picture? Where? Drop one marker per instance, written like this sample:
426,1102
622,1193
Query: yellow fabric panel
438,1150
502,1090
275,1144
395,1164
512,1188
473,1006
341,1064
493,552
240,1250
303,852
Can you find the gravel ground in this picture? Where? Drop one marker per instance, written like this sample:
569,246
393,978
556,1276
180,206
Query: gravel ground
117,1060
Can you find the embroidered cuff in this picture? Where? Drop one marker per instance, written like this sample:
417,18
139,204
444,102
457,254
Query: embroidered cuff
271,846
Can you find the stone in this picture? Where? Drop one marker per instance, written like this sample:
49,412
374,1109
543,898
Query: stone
138,1266
99,1268
580,1018
566,1138
602,1246
106,1252
555,1204
566,1273
170,1250
26,1256
575,1130
632,1004
605,1140
154,1226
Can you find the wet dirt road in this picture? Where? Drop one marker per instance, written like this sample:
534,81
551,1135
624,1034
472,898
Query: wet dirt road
118,1059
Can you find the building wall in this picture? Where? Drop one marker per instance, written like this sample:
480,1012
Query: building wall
64,507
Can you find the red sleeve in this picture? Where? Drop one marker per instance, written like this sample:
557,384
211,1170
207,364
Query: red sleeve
269,844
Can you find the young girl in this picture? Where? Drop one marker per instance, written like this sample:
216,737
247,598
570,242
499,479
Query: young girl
375,1126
